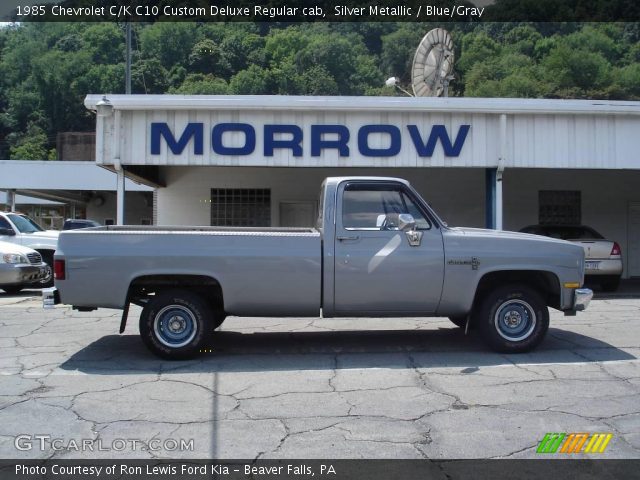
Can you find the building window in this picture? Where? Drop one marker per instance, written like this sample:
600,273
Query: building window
241,207
559,207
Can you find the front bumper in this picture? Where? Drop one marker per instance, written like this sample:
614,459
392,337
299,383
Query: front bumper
22,274
582,297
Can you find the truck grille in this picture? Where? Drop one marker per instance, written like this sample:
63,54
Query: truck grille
34,258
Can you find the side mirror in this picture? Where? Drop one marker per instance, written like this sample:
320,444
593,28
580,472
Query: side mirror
7,231
406,222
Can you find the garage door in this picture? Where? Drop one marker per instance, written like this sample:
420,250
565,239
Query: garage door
634,240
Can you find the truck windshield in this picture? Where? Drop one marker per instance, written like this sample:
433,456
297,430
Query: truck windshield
25,224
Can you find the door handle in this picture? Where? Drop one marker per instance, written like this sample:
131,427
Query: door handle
352,237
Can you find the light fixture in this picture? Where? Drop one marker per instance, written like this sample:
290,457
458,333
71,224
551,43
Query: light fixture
394,82
104,107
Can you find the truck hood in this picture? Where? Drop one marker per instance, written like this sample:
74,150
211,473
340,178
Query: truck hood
484,232
48,238
6,247
513,247
46,234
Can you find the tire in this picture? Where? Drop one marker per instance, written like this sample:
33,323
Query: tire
180,340
513,319
610,283
13,289
47,257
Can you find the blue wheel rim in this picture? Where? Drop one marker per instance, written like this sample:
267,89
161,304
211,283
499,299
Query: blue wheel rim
515,320
175,326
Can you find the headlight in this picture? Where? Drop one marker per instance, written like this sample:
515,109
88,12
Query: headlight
14,258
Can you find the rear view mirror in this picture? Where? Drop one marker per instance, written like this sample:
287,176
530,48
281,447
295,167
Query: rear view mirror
7,231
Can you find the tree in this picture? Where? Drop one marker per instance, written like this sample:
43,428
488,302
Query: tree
149,76
32,146
252,81
201,84
576,73
168,41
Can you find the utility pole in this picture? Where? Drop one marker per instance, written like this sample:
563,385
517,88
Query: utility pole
128,61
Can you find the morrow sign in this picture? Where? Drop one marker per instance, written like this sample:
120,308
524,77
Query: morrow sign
322,137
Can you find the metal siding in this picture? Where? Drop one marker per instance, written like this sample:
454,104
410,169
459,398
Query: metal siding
534,140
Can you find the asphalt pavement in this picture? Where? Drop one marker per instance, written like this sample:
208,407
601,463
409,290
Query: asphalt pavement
71,387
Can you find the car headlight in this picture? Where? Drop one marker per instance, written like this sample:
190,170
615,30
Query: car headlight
14,258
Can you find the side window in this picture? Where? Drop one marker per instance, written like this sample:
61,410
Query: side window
4,223
376,207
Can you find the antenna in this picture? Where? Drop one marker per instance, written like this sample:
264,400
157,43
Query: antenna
432,64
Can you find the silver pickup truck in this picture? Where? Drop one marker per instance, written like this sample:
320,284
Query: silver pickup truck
378,250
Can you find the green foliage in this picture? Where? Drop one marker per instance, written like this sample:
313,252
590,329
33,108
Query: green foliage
201,84
31,146
46,69
168,42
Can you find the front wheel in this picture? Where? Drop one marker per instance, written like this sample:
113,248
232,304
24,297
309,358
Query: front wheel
513,319
47,281
175,324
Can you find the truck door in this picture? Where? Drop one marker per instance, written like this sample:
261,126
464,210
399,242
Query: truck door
378,270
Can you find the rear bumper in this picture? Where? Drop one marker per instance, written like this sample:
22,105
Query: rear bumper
50,297
603,267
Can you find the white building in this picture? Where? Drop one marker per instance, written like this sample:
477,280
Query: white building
501,163
51,191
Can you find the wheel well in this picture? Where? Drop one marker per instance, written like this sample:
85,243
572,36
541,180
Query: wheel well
545,283
207,287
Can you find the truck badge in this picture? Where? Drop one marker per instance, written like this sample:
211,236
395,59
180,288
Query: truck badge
474,262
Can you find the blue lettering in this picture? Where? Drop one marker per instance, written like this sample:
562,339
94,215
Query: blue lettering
438,132
249,142
391,150
293,140
294,143
194,130
318,143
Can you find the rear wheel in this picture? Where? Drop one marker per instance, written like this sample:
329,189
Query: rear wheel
176,324
513,319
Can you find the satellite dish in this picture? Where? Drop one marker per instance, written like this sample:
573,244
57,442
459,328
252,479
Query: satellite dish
432,64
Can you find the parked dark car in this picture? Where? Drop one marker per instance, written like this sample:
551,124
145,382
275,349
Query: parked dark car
74,224
603,258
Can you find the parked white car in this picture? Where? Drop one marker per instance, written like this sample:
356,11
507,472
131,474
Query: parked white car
21,267
603,258
19,229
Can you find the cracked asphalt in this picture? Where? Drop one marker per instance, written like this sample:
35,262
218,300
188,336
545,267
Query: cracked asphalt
304,388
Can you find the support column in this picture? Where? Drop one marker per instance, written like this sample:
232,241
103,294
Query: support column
11,200
490,190
499,171
498,200
120,191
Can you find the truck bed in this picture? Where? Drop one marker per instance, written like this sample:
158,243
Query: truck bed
263,271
